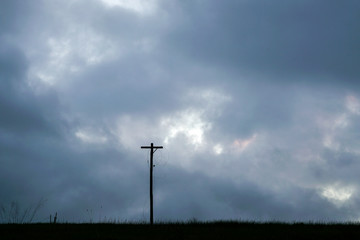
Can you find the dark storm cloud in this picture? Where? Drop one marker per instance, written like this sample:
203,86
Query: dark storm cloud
288,39
20,109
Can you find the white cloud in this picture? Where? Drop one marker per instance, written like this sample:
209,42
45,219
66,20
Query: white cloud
73,51
337,194
187,127
142,7
90,136
189,123
218,149
353,104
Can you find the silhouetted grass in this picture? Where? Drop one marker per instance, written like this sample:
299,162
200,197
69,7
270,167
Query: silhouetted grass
182,230
14,214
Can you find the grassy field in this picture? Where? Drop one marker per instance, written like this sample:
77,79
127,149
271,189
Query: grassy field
213,230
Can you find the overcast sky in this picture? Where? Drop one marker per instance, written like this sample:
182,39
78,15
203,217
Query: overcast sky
257,105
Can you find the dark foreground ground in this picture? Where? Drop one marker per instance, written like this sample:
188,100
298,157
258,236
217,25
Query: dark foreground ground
216,230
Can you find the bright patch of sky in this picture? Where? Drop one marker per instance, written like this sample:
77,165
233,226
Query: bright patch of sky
218,149
189,123
89,136
70,54
142,7
337,194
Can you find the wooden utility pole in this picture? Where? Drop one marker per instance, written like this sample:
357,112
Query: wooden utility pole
152,150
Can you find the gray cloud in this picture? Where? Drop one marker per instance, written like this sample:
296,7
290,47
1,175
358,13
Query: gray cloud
256,104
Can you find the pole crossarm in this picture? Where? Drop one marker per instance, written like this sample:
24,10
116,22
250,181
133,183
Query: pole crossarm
152,147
